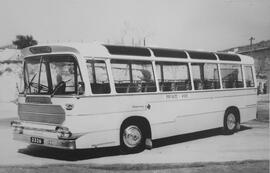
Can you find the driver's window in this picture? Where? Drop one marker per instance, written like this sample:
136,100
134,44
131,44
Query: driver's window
63,72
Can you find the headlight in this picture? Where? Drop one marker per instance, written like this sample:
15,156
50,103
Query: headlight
14,123
17,127
63,132
19,130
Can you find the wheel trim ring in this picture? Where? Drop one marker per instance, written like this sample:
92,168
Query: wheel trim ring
132,136
231,121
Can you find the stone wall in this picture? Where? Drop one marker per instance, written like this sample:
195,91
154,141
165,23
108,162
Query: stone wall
262,61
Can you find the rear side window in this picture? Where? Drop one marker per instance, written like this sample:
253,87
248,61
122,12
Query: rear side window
173,76
231,76
249,76
98,77
205,76
133,76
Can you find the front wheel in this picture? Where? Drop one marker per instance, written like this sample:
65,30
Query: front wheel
231,122
132,138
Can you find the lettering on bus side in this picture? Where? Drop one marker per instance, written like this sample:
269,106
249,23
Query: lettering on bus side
176,96
138,106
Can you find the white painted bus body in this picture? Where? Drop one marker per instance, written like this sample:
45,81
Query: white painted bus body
97,118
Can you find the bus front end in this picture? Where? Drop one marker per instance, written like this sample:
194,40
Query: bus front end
45,135
52,84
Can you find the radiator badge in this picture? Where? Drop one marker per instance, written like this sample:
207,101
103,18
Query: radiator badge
69,106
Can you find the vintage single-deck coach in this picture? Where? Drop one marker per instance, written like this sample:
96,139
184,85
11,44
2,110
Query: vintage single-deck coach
95,95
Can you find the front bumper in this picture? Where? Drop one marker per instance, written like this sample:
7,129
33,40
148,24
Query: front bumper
49,142
27,131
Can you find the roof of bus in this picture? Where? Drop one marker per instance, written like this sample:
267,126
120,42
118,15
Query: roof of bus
103,50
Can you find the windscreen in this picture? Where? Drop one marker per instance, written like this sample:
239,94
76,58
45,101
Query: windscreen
51,74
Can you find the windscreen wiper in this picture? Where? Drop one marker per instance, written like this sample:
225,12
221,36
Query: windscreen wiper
29,84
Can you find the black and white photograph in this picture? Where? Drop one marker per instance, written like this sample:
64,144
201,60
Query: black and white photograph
134,86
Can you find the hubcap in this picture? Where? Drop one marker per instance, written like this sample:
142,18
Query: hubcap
132,136
231,122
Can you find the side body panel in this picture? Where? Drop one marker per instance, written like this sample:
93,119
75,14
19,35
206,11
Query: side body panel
98,119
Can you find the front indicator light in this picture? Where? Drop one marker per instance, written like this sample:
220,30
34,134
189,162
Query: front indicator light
18,130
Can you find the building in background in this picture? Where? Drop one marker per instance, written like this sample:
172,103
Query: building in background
9,54
10,73
261,54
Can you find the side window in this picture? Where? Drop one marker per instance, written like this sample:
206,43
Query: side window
121,75
133,76
98,77
173,76
231,76
205,76
249,76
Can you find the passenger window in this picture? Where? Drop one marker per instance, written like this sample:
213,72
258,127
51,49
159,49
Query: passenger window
231,76
205,76
133,76
249,76
98,77
173,76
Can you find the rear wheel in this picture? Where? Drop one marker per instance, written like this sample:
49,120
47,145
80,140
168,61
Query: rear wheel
132,138
231,122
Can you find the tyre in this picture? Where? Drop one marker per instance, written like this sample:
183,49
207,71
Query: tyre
231,122
132,138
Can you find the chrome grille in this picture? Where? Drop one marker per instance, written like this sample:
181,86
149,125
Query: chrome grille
53,114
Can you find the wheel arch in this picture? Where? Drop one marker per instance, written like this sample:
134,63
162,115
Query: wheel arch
140,120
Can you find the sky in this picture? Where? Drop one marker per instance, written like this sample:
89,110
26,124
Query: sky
185,24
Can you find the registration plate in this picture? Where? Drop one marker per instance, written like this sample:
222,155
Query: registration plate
36,140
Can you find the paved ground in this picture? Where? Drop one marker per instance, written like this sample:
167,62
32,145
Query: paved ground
251,143
231,167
